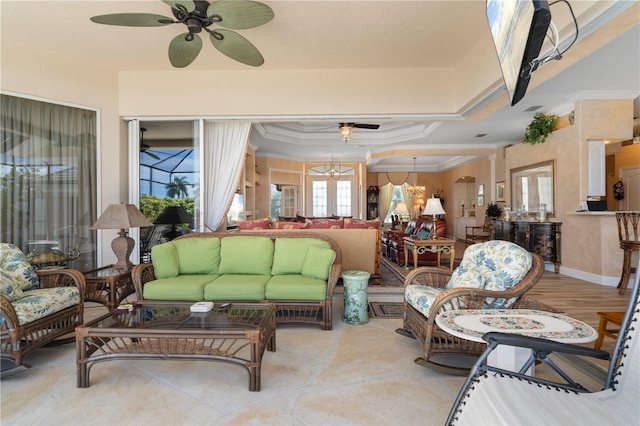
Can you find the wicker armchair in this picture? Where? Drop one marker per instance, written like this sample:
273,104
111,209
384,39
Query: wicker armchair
48,305
431,285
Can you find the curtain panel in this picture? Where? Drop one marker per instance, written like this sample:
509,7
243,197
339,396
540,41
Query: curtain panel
48,184
225,146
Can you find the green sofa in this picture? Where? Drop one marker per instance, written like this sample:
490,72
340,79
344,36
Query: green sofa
297,271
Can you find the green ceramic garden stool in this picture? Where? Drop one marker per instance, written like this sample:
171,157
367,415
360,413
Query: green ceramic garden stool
355,285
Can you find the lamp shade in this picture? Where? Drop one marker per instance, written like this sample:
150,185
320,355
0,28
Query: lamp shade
121,216
401,209
434,207
173,215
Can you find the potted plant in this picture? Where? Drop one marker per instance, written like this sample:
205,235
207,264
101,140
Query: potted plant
541,126
493,210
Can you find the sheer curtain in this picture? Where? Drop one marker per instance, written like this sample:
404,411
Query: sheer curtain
386,194
408,199
48,185
225,146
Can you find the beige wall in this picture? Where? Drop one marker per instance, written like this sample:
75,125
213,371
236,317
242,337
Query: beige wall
36,73
589,243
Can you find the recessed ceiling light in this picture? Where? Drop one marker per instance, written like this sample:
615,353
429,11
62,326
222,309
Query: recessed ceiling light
533,108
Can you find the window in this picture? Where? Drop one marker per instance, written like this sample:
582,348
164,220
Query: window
332,197
48,175
395,200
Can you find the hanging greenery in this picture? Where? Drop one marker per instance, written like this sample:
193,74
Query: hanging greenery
541,126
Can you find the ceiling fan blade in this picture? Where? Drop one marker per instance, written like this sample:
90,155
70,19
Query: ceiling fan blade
150,154
237,47
241,14
133,19
366,126
188,5
183,52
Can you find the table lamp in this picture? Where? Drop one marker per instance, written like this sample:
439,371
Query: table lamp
434,207
402,211
173,215
122,216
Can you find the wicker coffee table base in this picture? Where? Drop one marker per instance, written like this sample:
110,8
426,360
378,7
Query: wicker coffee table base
95,344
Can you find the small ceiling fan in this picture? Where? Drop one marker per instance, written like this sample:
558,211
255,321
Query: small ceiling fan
144,146
200,15
346,129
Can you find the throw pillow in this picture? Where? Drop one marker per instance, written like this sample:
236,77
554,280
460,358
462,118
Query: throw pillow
326,224
317,263
249,225
165,260
16,273
290,254
289,225
361,224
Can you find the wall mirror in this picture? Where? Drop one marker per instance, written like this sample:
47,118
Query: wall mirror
533,185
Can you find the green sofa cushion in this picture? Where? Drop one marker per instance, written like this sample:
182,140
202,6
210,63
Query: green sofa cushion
290,254
295,287
165,260
198,255
237,287
182,287
246,255
318,262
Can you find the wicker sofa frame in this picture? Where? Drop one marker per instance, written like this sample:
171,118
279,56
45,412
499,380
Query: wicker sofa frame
434,340
287,311
16,341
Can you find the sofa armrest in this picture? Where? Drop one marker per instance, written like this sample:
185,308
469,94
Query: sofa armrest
142,274
63,278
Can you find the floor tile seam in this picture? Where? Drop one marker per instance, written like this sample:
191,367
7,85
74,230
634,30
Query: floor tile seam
176,388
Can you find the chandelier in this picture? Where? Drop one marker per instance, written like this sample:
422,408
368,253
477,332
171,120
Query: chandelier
415,191
332,170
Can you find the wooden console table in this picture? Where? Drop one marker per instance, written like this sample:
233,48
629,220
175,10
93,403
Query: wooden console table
542,238
420,246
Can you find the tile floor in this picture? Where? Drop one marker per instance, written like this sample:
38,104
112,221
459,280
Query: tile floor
355,374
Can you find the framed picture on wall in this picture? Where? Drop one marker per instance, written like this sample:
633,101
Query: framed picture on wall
500,191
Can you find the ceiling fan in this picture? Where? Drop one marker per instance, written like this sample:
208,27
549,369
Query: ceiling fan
144,146
346,129
200,15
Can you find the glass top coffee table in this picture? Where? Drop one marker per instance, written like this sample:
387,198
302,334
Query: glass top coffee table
156,330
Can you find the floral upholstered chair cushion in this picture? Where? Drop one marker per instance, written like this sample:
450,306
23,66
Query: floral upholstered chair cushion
493,265
16,273
42,302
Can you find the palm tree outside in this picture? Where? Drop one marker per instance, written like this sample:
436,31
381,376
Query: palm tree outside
178,188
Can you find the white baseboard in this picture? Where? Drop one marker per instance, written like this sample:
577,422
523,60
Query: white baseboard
586,276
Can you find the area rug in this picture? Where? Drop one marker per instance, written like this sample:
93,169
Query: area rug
385,309
389,275
528,303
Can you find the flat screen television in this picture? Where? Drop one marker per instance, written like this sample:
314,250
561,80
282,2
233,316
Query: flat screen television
518,28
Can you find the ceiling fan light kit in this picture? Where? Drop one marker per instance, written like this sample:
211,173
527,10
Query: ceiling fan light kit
346,129
198,15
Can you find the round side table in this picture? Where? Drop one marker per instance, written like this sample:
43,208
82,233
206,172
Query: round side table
356,304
